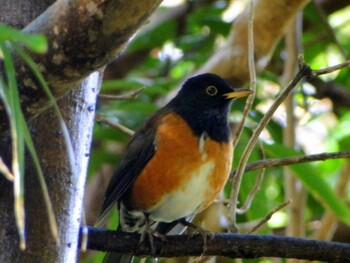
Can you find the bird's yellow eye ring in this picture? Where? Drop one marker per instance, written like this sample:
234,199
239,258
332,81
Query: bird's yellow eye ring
211,90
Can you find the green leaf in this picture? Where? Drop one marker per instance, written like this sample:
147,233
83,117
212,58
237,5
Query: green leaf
35,42
16,128
311,179
26,137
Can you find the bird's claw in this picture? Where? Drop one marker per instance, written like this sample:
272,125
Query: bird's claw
151,233
199,230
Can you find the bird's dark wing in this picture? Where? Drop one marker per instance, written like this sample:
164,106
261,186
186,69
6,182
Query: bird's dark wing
140,150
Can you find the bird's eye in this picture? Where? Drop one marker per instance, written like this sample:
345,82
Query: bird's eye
211,90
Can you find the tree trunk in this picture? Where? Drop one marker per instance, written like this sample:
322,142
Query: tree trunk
75,52
65,182
83,36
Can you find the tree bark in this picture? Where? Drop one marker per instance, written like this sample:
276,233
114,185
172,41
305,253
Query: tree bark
65,182
22,12
83,37
223,244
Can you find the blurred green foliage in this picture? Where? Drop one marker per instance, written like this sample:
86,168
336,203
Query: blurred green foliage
177,47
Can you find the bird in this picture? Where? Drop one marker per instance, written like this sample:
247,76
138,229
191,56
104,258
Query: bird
178,161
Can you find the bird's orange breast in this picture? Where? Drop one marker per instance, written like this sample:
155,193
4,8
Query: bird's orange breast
186,171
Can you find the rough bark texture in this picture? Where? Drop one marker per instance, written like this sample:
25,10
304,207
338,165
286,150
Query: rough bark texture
83,36
25,11
228,245
65,185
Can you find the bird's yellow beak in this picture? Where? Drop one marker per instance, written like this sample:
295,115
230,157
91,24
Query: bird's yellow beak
238,93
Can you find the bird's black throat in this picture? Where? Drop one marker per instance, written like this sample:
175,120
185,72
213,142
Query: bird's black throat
213,122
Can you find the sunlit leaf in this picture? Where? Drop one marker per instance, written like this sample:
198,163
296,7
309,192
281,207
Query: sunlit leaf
35,42
315,183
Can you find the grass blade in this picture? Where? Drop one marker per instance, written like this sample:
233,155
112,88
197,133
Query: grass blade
30,145
17,143
4,98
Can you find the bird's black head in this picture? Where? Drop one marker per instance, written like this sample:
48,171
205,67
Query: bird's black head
207,92
204,101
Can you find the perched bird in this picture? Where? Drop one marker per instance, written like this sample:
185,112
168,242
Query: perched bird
177,163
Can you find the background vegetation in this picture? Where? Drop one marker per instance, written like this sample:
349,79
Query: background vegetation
179,39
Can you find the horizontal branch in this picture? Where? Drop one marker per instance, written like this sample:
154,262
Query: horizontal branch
318,72
102,119
229,245
129,96
277,162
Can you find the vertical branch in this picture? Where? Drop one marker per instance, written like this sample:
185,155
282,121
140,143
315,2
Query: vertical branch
65,181
251,62
293,188
252,75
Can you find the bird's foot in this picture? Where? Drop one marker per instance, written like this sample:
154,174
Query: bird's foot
199,230
151,234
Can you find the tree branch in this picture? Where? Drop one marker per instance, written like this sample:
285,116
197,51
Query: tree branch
123,129
304,71
83,36
129,96
229,245
318,72
277,162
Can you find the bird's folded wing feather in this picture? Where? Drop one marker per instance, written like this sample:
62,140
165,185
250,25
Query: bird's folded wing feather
140,150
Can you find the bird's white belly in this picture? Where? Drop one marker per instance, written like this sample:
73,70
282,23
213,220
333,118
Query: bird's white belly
188,200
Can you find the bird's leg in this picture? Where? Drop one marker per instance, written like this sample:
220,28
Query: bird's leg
198,230
151,233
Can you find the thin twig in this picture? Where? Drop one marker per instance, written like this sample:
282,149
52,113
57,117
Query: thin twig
252,75
278,162
293,190
252,193
268,216
256,187
129,96
304,71
331,69
103,119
